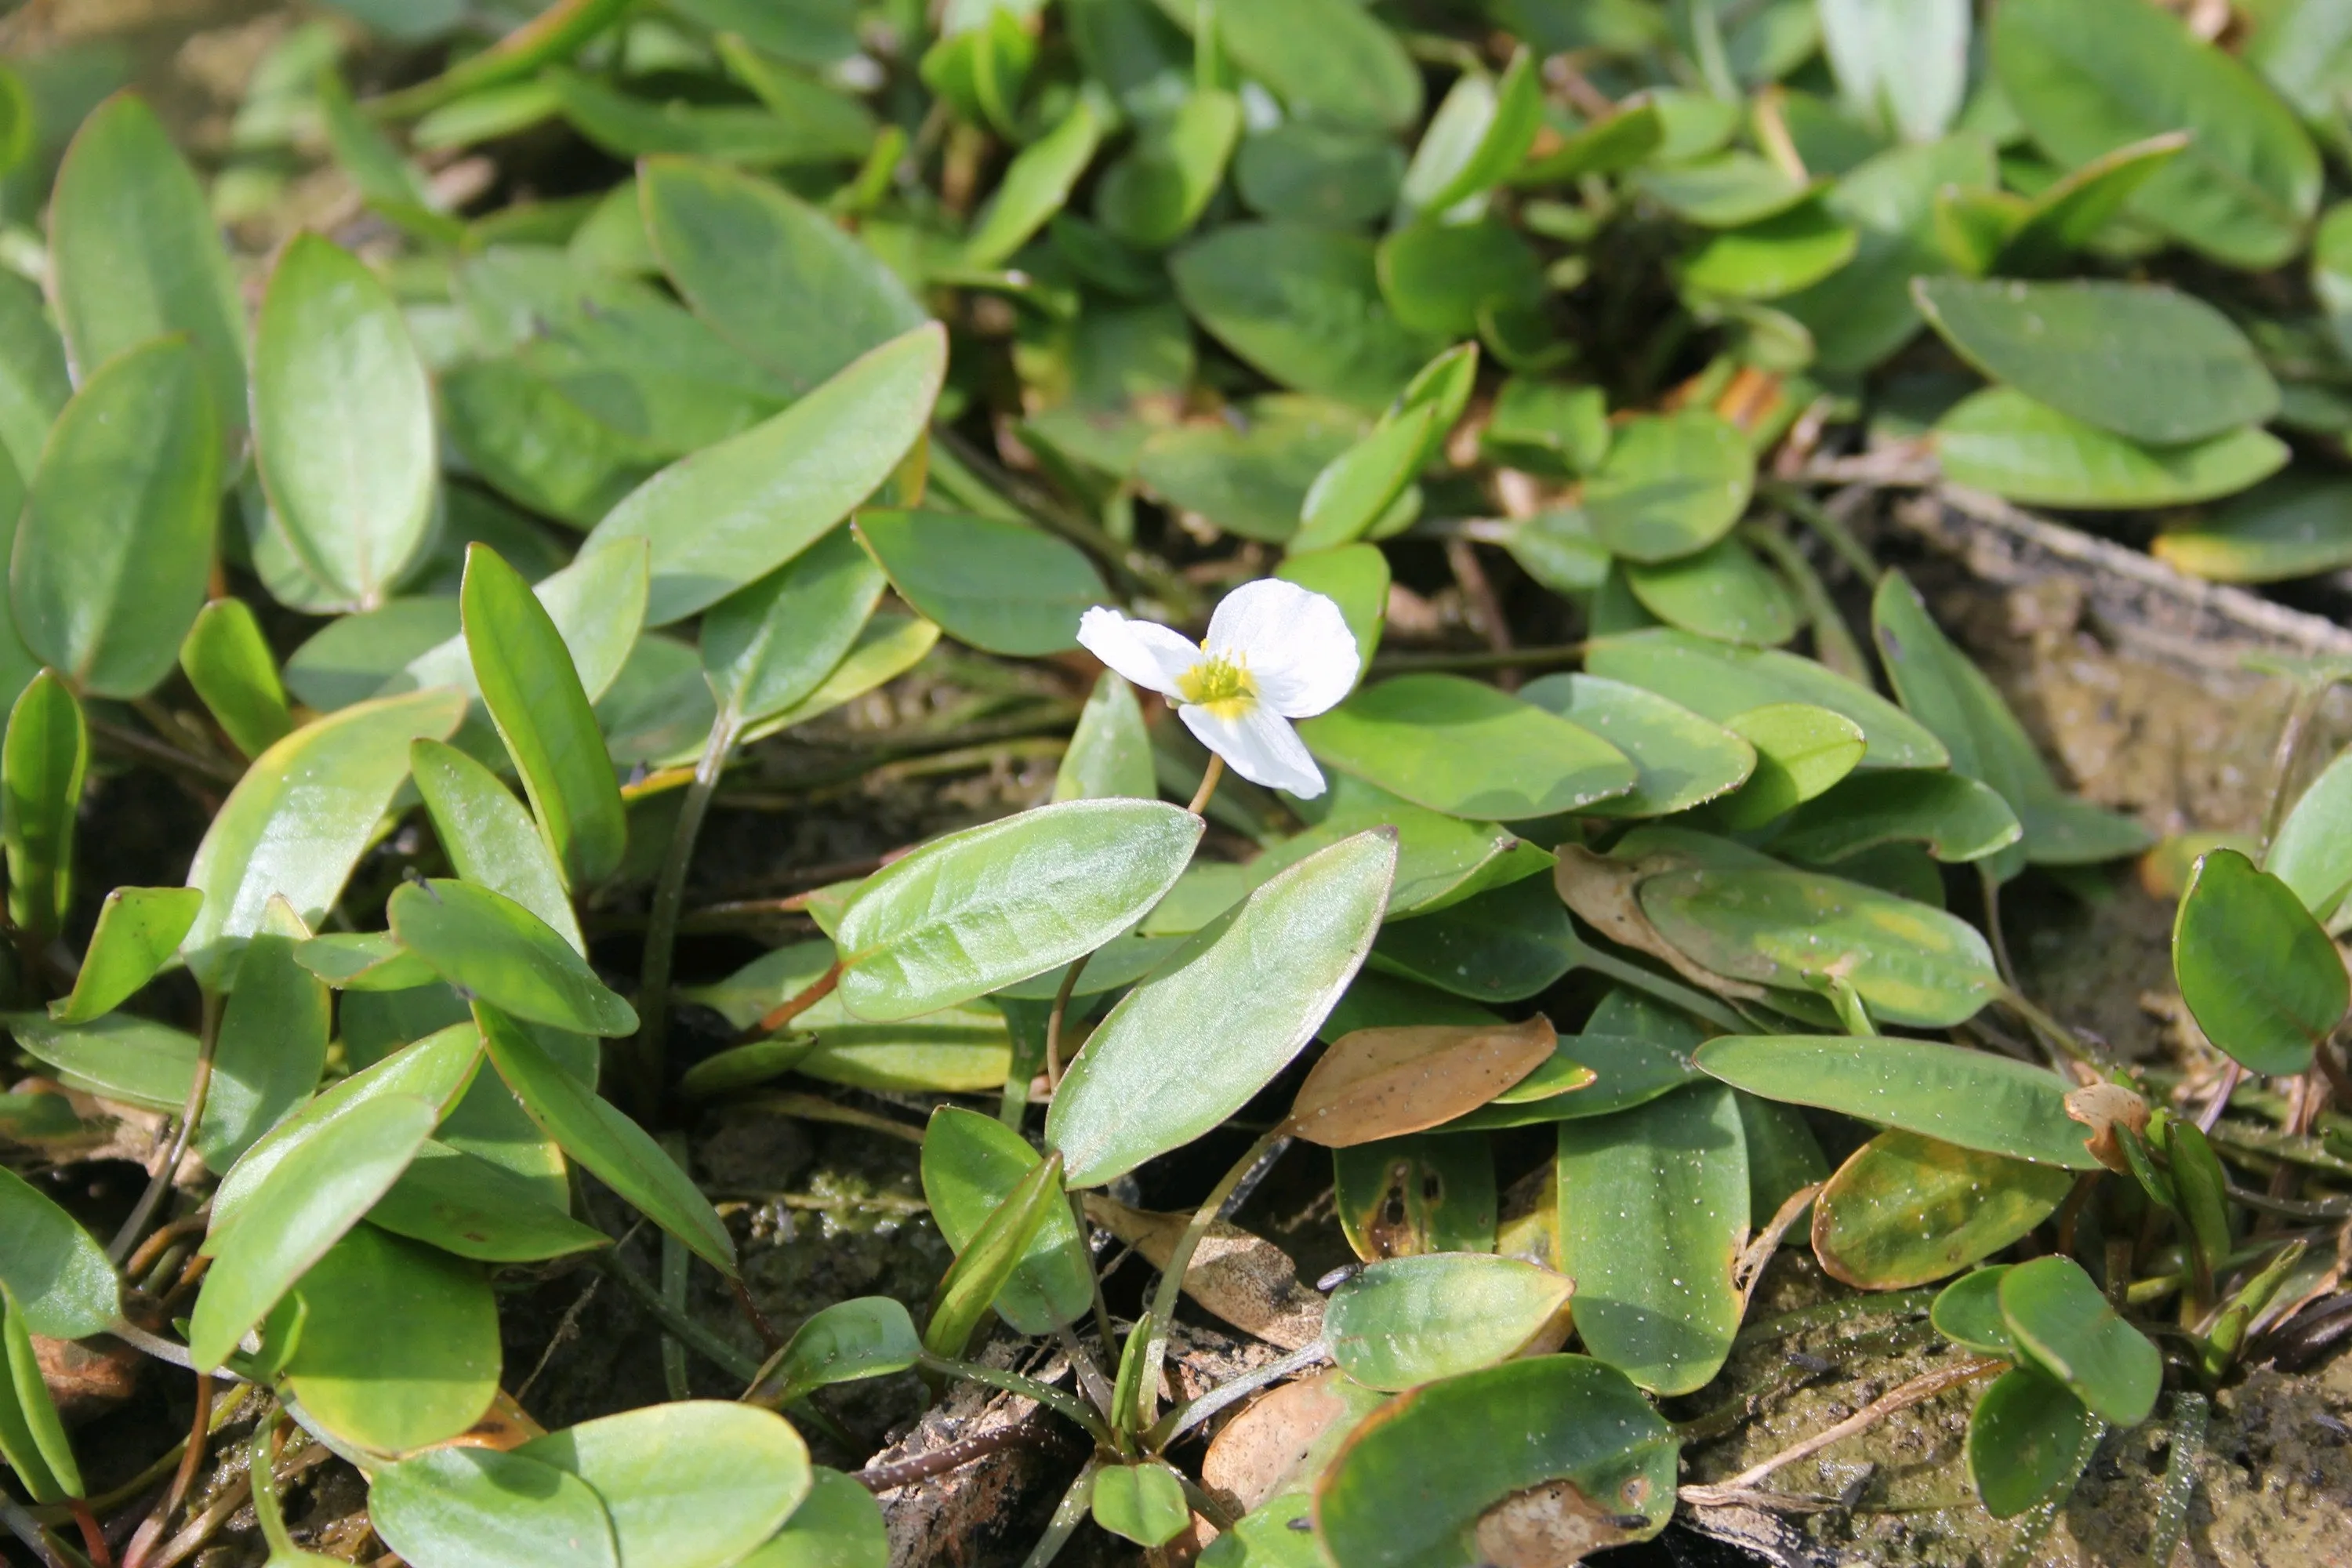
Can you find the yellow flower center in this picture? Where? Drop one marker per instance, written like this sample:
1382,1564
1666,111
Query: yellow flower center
1220,685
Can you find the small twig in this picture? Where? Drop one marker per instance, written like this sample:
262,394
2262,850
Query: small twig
162,753
1748,1272
566,1328
1485,608
951,1456
1927,1385
2209,1115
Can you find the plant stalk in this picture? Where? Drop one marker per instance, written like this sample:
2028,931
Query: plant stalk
661,926
160,1181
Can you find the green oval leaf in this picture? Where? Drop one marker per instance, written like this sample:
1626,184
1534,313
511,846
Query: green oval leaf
342,421
478,1508
970,1164
2070,1329
1653,1214
998,1245
2259,974
1680,759
488,946
43,758
2311,851
138,931
56,1273
306,1204
1721,591
1672,484
1907,1209
1956,818
1327,59
981,908
33,381
769,647
462,1204
1403,1321
620,1153
1968,1312
837,1525
1142,1502
1463,1469
137,256
1970,1098
1301,304
490,837
729,514
2111,354
1801,751
2028,1437
1034,187
118,1056
297,821
870,1336
1461,747
1109,753
399,1347
33,1440
272,1043
2002,440
228,661
1236,1003
999,586
115,545
2291,526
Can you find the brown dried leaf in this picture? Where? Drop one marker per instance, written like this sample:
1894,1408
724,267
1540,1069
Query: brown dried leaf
1263,1446
1601,891
1551,1526
2099,1107
1242,1277
1384,1083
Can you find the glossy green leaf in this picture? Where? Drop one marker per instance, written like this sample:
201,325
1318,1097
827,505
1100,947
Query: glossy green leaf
1913,965
228,661
1483,1467
343,420
115,544
1801,752
1653,1213
1720,683
888,647
43,757
1440,278
1141,1502
535,445
1325,60
400,1344
1358,487
598,606
1681,758
957,1050
1671,484
868,1336
998,1245
1461,747
2090,75
55,1272
980,908
970,1164
1968,1312
364,962
2311,851
731,513
1906,66
2069,1330
32,1440
1415,1195
1721,591
608,1144
1504,945
1158,190
303,1207
479,1507
2295,525
1590,1075
1403,1321
533,692
630,127
1303,305
139,932
1953,698
2110,355
749,259
1478,136
1034,187
489,946
696,1484
2002,441
1251,481
2258,973
1333,175
118,1056
2028,1439
298,820
1236,1003
1441,862
1774,257
33,381
436,1070
465,1204
1956,818
1609,145
272,1042
1110,752
1970,1097
769,646
1723,190
1906,1209
1002,587
837,1525
490,837
136,256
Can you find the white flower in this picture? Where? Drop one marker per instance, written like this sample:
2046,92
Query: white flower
1276,652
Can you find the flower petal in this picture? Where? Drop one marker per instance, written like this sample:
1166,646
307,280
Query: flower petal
1145,652
1260,745
1301,653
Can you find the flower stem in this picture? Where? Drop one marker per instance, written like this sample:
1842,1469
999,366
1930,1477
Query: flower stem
191,1113
1171,1277
1062,1001
1208,784
669,892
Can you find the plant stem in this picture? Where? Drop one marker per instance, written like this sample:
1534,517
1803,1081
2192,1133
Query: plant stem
691,1334
1067,1515
1070,984
661,928
793,1007
1670,992
674,1280
1171,1277
1217,770
160,1181
1028,1388
1192,1412
1927,1385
